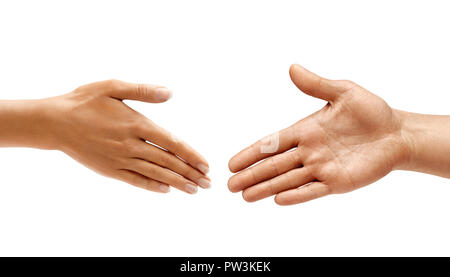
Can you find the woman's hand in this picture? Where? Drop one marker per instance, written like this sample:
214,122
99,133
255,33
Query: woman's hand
94,126
353,141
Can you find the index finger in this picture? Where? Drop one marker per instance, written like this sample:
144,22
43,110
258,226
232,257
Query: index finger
270,145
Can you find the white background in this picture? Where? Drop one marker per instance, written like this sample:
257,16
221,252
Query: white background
227,63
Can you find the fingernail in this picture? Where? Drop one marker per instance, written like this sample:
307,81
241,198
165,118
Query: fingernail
164,188
204,183
203,168
190,188
163,94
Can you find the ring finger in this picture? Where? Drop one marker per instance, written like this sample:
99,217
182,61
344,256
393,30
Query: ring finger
289,180
163,175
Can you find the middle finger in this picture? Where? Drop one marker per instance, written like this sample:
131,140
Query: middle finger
265,170
165,159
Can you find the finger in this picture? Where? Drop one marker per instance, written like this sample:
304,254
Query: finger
315,85
140,92
302,194
141,181
289,180
165,159
161,137
163,175
266,170
273,144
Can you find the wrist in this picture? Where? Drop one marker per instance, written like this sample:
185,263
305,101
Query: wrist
54,129
407,141
45,115
44,118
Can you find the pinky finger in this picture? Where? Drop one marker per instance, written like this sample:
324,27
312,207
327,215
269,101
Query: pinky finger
141,181
302,194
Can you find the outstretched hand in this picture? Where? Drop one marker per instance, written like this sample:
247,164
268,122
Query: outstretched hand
353,141
95,127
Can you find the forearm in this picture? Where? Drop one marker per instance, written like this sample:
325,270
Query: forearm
25,123
428,140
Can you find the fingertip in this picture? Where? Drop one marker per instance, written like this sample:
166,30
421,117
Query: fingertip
190,188
280,200
164,188
204,183
232,185
203,167
292,69
163,94
232,166
248,197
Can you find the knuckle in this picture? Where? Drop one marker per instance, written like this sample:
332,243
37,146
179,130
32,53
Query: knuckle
347,84
107,86
308,171
129,146
141,91
312,170
136,125
118,163
252,174
296,132
296,156
320,82
131,178
272,187
166,160
151,170
274,165
186,171
175,143
138,180
255,149
81,88
111,84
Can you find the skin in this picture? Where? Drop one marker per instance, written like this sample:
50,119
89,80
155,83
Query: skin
353,141
95,127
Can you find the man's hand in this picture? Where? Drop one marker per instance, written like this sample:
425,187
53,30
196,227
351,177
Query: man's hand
94,126
351,142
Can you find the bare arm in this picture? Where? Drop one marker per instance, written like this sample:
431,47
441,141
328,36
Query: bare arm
95,127
354,140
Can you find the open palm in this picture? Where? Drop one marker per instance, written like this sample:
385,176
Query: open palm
351,142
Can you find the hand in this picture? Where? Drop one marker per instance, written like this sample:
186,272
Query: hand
94,126
351,142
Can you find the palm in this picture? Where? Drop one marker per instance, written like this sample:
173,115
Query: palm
353,141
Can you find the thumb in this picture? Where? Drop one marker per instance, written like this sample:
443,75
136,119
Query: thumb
140,92
315,85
